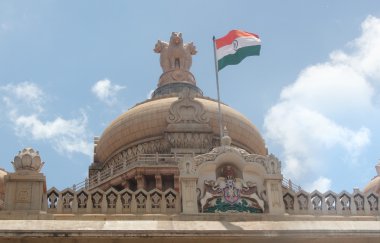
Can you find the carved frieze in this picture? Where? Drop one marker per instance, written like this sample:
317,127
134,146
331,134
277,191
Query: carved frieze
190,140
151,147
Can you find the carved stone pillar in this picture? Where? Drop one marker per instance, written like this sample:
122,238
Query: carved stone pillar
158,182
140,181
26,188
189,194
176,183
274,196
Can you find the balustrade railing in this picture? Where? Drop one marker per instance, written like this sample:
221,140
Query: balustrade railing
288,184
112,201
122,166
330,203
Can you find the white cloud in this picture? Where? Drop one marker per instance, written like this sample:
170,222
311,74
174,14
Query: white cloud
66,135
325,109
24,108
106,91
321,184
26,93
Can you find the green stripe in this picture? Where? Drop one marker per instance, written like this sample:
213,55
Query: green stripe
239,55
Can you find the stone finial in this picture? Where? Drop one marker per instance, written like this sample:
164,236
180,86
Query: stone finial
27,160
175,60
226,140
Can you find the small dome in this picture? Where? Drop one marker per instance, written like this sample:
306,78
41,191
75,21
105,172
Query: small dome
148,120
374,184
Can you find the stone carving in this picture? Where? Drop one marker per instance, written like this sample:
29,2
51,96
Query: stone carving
141,200
289,202
359,202
187,110
67,200
27,160
231,194
96,200
276,195
170,200
130,153
111,200
175,54
82,200
190,140
156,200
303,202
372,200
330,202
345,201
126,200
271,164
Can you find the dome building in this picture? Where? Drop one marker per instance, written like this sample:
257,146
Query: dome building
374,185
166,170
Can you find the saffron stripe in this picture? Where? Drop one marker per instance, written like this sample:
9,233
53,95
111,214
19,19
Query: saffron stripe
231,36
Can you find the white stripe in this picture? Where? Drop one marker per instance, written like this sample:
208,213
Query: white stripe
242,42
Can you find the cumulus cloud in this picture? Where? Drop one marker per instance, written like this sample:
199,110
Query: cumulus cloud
325,108
26,92
24,105
321,184
105,91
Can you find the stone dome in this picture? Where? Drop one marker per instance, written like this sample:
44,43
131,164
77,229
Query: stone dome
177,119
374,184
148,121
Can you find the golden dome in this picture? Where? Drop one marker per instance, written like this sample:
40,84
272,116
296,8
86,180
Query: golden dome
374,184
148,121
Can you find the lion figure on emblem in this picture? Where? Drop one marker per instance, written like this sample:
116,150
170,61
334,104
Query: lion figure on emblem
175,55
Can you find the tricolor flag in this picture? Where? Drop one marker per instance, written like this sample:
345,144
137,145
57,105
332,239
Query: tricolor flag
235,46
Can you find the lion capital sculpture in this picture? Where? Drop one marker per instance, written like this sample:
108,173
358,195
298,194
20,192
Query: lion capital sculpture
175,55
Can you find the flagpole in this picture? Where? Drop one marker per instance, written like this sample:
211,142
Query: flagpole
217,89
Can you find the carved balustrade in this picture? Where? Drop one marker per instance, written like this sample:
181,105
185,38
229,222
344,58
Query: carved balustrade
113,201
330,203
117,168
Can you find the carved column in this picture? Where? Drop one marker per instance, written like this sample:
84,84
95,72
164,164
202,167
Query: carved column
189,194
25,189
158,182
274,196
25,192
176,183
140,181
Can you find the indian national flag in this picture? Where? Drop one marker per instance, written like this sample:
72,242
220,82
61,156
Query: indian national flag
235,46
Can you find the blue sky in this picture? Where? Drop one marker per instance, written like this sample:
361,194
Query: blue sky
68,68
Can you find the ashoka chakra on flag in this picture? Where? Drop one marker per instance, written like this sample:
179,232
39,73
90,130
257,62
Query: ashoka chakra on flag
235,46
